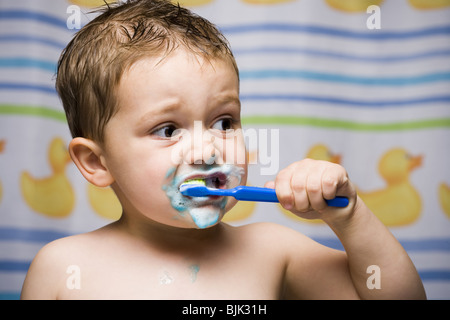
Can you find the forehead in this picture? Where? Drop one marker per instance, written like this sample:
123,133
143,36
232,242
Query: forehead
180,66
172,60
178,76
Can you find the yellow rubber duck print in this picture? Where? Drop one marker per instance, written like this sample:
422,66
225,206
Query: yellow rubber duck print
444,198
398,203
192,3
317,152
2,147
104,202
429,4
353,5
91,3
322,152
267,1
52,196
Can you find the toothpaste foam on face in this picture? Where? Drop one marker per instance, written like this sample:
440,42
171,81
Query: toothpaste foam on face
202,216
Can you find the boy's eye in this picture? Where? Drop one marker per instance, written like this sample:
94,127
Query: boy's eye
223,124
165,132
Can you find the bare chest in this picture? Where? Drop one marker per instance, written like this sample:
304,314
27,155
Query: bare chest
182,278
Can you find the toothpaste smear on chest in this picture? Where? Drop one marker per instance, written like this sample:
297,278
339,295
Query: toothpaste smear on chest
203,212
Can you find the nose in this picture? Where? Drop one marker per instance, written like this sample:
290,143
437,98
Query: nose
198,146
202,150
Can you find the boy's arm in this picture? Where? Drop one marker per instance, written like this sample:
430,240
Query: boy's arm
301,188
379,266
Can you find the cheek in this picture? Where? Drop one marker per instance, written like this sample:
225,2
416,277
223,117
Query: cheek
234,152
140,175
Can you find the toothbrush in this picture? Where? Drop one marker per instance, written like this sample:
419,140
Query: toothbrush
196,188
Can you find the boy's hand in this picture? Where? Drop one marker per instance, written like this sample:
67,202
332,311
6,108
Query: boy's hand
303,186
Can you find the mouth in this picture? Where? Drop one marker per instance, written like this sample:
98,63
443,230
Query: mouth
202,211
216,180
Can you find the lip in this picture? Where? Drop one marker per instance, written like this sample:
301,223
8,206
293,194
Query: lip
213,201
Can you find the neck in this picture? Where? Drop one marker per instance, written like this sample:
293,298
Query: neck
169,237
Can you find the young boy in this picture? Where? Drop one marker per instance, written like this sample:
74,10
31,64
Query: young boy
135,83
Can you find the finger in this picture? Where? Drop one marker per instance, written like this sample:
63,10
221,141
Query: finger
270,184
338,180
283,188
314,189
345,187
330,181
298,186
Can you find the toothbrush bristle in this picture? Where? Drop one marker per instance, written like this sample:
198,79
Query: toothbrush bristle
195,181
184,187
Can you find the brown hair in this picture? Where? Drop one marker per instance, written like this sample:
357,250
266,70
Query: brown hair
92,64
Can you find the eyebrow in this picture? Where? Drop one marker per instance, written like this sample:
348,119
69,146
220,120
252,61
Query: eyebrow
173,107
168,108
228,98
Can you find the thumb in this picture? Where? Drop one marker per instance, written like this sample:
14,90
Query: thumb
270,184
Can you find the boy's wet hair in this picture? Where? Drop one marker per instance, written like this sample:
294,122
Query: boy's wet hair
92,64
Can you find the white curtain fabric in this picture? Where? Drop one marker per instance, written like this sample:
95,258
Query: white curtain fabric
325,79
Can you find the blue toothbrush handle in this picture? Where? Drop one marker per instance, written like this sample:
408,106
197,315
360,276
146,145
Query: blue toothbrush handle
338,202
246,193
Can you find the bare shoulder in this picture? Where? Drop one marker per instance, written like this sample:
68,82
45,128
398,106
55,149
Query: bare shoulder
309,266
278,237
48,270
271,230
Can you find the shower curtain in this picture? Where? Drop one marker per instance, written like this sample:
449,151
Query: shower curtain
362,83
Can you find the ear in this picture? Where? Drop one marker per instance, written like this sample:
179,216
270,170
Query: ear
87,156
